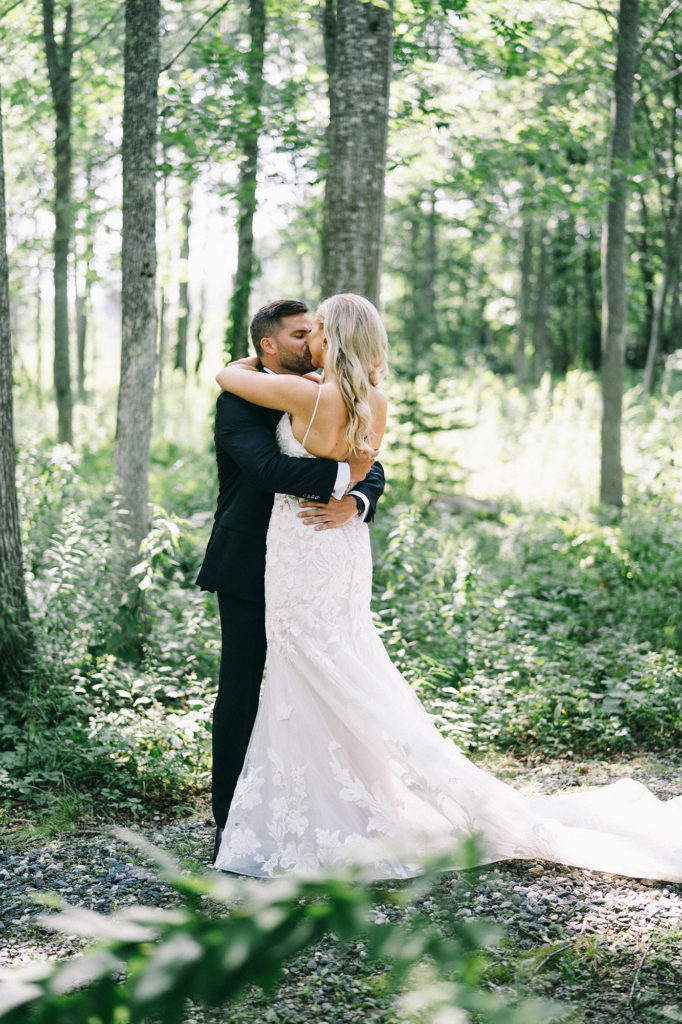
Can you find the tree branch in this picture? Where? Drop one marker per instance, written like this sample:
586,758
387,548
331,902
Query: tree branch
598,8
635,981
105,26
661,81
670,10
192,38
10,8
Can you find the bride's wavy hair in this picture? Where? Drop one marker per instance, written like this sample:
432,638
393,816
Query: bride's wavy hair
357,356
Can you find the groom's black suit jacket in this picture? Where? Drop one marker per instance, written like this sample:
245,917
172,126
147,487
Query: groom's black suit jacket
250,469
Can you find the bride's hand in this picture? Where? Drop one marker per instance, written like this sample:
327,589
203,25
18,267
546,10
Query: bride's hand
248,363
360,464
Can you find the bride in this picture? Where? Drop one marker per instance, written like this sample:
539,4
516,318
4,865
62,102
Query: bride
344,764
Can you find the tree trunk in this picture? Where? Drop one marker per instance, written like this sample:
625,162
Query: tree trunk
201,320
183,295
520,363
163,336
84,272
59,70
646,267
162,346
668,285
39,343
614,304
14,618
138,260
429,274
540,338
359,49
237,334
655,335
674,340
421,320
594,330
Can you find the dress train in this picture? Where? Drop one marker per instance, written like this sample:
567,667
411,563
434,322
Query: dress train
345,765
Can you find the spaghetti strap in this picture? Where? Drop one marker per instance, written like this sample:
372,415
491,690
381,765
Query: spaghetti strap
317,402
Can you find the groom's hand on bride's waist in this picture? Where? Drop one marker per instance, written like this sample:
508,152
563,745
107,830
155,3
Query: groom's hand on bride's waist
336,512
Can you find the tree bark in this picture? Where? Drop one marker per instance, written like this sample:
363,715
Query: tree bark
520,362
85,273
614,303
653,350
540,334
359,49
138,334
39,344
201,322
59,70
665,150
237,335
14,617
594,323
183,292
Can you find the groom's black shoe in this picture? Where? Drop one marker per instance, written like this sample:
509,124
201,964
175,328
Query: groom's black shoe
216,844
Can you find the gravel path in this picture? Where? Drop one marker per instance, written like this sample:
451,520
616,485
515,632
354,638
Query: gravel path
609,947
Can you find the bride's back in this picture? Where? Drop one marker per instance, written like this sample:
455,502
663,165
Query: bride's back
349,340
326,431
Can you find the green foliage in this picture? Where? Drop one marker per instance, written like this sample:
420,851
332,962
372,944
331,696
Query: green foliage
94,730
538,625
540,634
545,627
150,962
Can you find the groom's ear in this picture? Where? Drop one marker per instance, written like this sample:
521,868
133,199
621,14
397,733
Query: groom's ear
267,346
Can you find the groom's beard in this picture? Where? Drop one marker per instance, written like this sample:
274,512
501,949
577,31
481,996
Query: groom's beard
294,362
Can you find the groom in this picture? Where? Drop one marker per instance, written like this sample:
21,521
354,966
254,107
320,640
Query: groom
250,470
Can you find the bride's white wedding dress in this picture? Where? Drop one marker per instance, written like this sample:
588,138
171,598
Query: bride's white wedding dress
345,765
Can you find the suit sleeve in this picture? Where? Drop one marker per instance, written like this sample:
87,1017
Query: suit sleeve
372,487
246,437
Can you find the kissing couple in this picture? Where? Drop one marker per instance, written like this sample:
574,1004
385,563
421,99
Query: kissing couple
337,762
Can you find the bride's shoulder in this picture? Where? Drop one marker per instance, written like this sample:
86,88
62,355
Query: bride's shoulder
378,398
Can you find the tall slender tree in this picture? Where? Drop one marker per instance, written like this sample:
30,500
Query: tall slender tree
359,52
183,289
59,58
138,328
237,335
523,330
614,303
14,616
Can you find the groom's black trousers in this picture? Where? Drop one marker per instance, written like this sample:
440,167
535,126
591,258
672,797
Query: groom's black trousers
242,660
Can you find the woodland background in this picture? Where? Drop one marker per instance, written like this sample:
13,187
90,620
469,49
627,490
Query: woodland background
504,179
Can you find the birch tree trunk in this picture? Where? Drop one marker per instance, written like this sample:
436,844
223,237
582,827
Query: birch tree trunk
138,329
359,52
14,617
59,70
237,335
614,302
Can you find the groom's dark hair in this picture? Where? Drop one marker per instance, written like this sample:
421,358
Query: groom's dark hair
269,318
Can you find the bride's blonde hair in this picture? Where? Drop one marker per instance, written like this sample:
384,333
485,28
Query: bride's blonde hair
357,356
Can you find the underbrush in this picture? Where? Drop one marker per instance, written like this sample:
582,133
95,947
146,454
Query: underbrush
94,733
549,631
538,633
